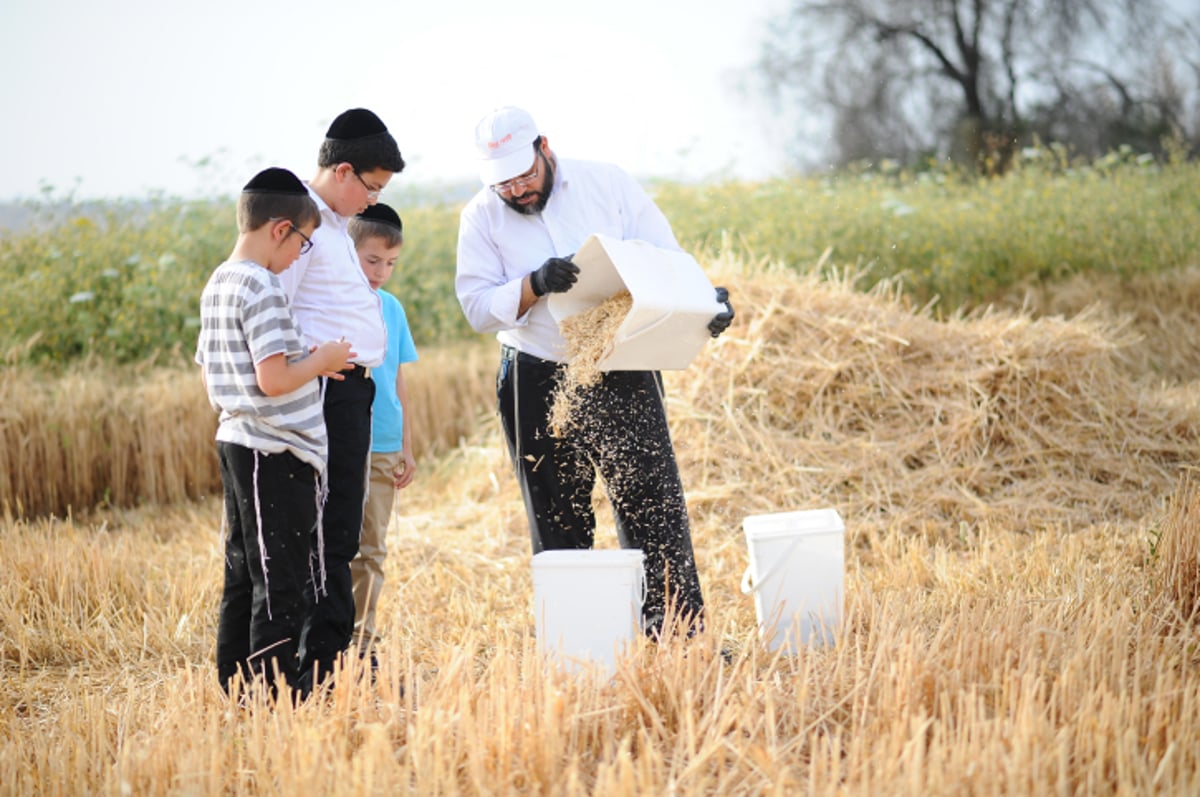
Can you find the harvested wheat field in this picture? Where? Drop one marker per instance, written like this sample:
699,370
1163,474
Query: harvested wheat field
1021,599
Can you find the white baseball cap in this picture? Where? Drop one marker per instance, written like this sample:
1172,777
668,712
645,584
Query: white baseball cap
503,139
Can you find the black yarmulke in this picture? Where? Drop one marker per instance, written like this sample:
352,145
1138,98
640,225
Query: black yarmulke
355,123
275,181
383,214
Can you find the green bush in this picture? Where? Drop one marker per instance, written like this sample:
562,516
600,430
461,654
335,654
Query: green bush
122,280
966,240
424,275
116,280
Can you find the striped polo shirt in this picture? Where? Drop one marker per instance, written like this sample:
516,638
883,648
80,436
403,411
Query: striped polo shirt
244,319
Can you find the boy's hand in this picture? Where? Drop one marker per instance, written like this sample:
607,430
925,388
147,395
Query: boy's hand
334,356
405,471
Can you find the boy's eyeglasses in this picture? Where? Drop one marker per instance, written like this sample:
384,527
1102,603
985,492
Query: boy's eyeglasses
307,245
372,193
292,228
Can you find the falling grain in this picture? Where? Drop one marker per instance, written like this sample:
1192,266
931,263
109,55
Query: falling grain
589,337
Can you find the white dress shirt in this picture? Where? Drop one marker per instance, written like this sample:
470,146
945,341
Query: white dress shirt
498,247
331,298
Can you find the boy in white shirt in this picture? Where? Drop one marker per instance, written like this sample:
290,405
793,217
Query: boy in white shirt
332,299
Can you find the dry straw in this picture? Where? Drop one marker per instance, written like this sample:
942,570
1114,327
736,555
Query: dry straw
1008,627
94,436
1159,307
1178,552
98,436
823,395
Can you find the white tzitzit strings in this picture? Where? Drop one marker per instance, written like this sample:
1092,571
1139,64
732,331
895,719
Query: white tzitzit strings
322,494
262,548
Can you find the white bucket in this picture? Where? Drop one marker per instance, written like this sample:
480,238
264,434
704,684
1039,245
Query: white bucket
796,574
587,605
673,301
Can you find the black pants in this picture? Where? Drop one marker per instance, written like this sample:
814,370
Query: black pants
263,604
621,432
330,623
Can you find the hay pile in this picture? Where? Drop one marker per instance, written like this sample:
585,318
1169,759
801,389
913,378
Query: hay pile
1158,306
823,396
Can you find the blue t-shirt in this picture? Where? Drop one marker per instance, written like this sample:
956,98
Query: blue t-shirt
387,416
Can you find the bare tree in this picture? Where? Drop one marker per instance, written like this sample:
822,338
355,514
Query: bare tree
969,79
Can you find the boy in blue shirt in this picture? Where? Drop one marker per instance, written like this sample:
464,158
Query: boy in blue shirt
271,438
378,235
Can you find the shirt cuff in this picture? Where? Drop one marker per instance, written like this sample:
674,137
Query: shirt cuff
506,301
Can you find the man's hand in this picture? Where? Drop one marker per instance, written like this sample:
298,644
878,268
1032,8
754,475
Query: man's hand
721,321
554,276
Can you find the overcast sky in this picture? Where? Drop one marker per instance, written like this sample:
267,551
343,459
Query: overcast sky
124,98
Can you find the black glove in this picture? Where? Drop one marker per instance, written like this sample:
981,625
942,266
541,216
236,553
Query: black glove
554,276
721,321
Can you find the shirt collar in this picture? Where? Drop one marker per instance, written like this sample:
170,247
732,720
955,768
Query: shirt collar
562,171
328,214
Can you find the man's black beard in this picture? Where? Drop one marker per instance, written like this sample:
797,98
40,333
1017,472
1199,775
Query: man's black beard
534,208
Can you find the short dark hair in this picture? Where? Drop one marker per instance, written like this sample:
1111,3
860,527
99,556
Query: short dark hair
254,209
365,154
361,229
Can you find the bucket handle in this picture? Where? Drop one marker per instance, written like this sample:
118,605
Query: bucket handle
748,587
641,587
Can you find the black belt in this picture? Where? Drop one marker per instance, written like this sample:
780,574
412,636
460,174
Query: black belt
508,354
360,371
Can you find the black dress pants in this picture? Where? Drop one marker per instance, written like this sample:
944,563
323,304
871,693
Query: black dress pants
270,513
330,624
621,432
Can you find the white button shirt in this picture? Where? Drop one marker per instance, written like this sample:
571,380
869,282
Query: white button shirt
330,295
498,247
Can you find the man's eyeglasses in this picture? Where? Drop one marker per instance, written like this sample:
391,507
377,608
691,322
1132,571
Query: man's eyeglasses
372,193
523,180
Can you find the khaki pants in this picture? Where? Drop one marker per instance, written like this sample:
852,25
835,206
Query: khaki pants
366,571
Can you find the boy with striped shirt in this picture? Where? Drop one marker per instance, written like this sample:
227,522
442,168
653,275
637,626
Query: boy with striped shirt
271,438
